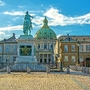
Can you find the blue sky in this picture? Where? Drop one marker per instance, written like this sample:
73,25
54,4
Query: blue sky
64,16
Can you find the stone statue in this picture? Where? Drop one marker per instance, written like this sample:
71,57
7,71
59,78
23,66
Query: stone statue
27,25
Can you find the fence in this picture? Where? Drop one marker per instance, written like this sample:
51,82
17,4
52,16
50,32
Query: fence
23,66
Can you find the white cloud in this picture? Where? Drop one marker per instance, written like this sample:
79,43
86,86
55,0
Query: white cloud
14,13
38,20
2,3
67,31
2,33
17,13
21,6
10,28
59,35
15,18
57,18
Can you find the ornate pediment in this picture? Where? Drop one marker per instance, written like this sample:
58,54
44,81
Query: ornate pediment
68,39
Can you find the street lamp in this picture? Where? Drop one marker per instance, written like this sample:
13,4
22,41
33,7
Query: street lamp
78,51
56,60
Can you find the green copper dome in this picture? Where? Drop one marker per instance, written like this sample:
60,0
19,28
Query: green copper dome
45,32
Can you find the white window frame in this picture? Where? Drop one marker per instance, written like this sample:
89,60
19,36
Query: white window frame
65,48
73,48
81,48
65,58
87,48
73,59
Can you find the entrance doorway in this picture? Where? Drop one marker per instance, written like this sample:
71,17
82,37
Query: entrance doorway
40,60
87,62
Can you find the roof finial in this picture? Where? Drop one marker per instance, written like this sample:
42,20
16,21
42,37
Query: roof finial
45,21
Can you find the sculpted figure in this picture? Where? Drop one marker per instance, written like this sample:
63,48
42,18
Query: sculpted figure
27,25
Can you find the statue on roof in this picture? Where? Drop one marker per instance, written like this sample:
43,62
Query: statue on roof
27,25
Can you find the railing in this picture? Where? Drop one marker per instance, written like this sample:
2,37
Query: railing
22,66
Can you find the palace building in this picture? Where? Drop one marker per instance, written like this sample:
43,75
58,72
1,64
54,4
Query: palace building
72,50
46,47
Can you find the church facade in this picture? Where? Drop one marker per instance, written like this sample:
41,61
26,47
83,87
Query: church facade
45,39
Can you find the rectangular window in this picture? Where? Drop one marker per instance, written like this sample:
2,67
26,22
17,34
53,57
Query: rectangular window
38,46
81,58
14,59
41,46
65,48
66,59
0,49
7,48
81,48
73,59
14,48
45,46
73,48
0,58
87,48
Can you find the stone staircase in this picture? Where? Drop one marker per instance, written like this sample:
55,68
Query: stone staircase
32,66
23,62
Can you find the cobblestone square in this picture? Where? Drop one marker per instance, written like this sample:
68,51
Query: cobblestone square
43,81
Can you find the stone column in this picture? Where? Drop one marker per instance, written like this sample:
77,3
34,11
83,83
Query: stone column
47,45
32,50
28,70
48,69
87,70
18,49
68,70
43,58
8,70
38,58
47,58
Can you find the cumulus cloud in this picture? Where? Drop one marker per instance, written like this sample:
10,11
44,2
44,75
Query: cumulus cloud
15,18
14,13
9,28
2,3
38,20
57,18
59,35
17,13
2,35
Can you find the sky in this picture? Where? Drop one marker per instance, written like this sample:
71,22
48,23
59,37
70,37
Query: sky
64,16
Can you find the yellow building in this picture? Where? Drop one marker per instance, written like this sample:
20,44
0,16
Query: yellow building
73,50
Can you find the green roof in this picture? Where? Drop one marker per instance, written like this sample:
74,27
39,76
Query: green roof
45,32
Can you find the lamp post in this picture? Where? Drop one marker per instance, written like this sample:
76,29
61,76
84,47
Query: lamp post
61,66
78,52
56,60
